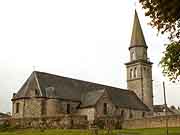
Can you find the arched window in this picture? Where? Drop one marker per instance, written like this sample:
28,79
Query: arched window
105,108
133,57
143,114
50,91
17,107
144,69
145,55
130,115
68,108
135,72
145,72
131,73
36,92
122,113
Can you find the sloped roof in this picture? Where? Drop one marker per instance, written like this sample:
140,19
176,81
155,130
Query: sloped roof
3,115
137,37
77,90
126,99
25,87
161,108
90,98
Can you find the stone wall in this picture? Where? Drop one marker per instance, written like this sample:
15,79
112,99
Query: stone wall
89,112
152,122
4,120
109,122
55,107
113,110
37,106
81,122
61,121
28,107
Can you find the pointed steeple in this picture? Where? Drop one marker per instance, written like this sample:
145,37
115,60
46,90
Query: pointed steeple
137,38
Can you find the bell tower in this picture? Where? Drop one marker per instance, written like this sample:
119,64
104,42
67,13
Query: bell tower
139,68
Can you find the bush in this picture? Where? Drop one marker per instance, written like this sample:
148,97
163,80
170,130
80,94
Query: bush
4,126
100,124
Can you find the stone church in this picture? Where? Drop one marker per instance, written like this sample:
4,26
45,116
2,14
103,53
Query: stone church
45,94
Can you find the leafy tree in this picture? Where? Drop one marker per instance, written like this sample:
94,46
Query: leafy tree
165,17
170,62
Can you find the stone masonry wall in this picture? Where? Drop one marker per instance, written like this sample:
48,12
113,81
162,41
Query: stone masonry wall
61,121
114,111
152,122
36,107
80,122
89,112
28,108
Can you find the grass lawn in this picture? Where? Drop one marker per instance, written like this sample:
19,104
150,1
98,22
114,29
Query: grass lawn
154,131
157,131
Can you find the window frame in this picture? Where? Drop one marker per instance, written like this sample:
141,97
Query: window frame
105,108
68,108
131,73
135,72
17,107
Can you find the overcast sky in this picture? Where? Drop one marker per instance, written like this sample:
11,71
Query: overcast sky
83,39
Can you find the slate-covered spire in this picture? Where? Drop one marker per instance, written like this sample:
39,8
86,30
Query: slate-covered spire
137,38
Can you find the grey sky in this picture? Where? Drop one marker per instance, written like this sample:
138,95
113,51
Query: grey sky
81,39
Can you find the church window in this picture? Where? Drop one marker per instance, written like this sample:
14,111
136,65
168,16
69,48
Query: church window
133,57
135,72
130,115
68,108
145,70
36,92
17,107
131,73
50,91
122,113
143,114
105,108
144,55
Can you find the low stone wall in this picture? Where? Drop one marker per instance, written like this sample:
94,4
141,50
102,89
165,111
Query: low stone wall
4,120
81,122
60,121
152,122
109,122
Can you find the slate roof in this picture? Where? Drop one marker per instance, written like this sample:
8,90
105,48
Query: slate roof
90,98
126,99
25,87
87,93
137,38
3,115
161,108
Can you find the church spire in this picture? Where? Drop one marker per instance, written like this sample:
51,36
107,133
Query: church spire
137,38
139,69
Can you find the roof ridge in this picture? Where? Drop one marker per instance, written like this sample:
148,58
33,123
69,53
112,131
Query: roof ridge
37,81
80,80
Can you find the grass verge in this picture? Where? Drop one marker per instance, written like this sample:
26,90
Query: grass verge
155,131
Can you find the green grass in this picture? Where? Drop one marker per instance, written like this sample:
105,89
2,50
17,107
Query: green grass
153,131
50,132
157,131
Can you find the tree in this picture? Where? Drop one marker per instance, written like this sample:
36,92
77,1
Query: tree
165,17
170,62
